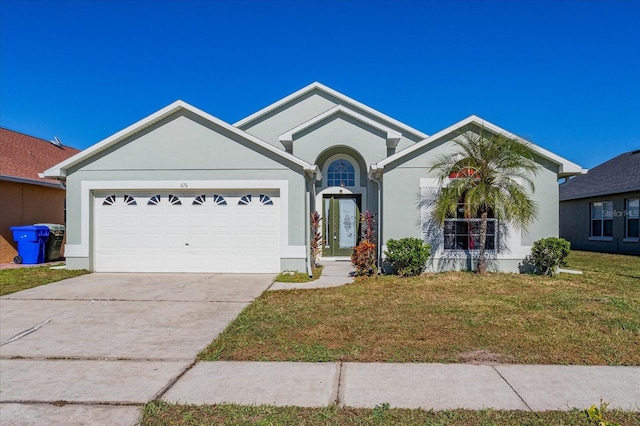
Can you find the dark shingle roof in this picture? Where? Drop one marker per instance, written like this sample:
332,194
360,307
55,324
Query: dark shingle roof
22,157
620,174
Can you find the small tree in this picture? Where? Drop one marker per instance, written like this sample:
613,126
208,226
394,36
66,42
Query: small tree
364,257
486,174
316,238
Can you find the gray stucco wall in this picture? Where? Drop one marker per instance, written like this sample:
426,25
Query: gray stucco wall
546,198
312,104
183,147
341,130
575,225
402,203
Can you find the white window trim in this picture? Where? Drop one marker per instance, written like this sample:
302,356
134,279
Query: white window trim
627,218
495,242
602,218
600,238
356,168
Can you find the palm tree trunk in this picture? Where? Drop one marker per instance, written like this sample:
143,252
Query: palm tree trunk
482,260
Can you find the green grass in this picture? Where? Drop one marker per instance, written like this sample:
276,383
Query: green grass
589,319
12,280
615,265
299,277
159,413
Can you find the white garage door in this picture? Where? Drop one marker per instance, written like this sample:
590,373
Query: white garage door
181,232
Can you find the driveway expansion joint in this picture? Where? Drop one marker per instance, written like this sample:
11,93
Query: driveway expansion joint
339,389
90,358
173,381
512,388
62,403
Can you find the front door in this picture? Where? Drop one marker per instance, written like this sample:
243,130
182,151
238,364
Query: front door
341,224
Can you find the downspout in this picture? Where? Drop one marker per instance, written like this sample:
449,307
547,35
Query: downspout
313,175
375,169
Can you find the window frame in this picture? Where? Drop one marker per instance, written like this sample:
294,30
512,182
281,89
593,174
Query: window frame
350,180
456,235
631,215
605,215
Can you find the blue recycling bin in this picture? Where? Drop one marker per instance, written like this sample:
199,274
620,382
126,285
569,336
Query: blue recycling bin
31,243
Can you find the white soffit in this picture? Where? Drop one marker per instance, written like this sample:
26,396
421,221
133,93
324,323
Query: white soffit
392,136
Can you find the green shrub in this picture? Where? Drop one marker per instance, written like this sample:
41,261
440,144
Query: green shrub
407,256
548,254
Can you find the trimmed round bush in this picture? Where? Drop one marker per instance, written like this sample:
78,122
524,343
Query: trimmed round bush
407,256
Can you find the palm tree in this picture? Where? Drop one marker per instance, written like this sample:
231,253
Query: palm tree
488,173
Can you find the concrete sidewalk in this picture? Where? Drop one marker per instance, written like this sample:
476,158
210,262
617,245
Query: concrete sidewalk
335,272
427,386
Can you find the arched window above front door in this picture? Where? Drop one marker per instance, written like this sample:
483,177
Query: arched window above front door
341,173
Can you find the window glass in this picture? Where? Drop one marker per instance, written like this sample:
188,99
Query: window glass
602,219
463,233
632,218
341,173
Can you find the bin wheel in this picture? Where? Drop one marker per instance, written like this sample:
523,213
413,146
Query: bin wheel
17,260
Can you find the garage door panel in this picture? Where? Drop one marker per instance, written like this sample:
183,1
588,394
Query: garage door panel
157,236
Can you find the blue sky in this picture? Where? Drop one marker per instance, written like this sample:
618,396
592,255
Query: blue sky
564,74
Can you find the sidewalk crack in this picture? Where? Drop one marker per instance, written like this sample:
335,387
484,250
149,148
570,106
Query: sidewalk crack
39,325
512,388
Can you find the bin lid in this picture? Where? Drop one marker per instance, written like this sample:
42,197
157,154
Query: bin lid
29,228
51,226
40,231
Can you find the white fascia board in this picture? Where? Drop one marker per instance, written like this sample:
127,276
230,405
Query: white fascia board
566,166
392,136
59,170
343,98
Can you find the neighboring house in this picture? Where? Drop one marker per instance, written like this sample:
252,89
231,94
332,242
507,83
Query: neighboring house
26,198
599,211
182,190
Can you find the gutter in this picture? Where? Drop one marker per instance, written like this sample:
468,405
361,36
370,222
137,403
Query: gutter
314,174
16,179
375,174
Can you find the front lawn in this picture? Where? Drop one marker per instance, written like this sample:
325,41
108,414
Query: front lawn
162,414
12,280
589,319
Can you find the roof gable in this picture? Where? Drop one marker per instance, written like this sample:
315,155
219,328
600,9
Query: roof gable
344,100
25,157
566,167
60,170
620,174
392,136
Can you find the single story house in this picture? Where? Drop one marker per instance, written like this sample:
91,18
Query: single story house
600,210
25,197
183,191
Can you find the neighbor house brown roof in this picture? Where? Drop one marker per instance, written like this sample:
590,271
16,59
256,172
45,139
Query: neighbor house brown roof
23,157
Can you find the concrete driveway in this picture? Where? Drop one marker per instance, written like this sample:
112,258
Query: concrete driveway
119,339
